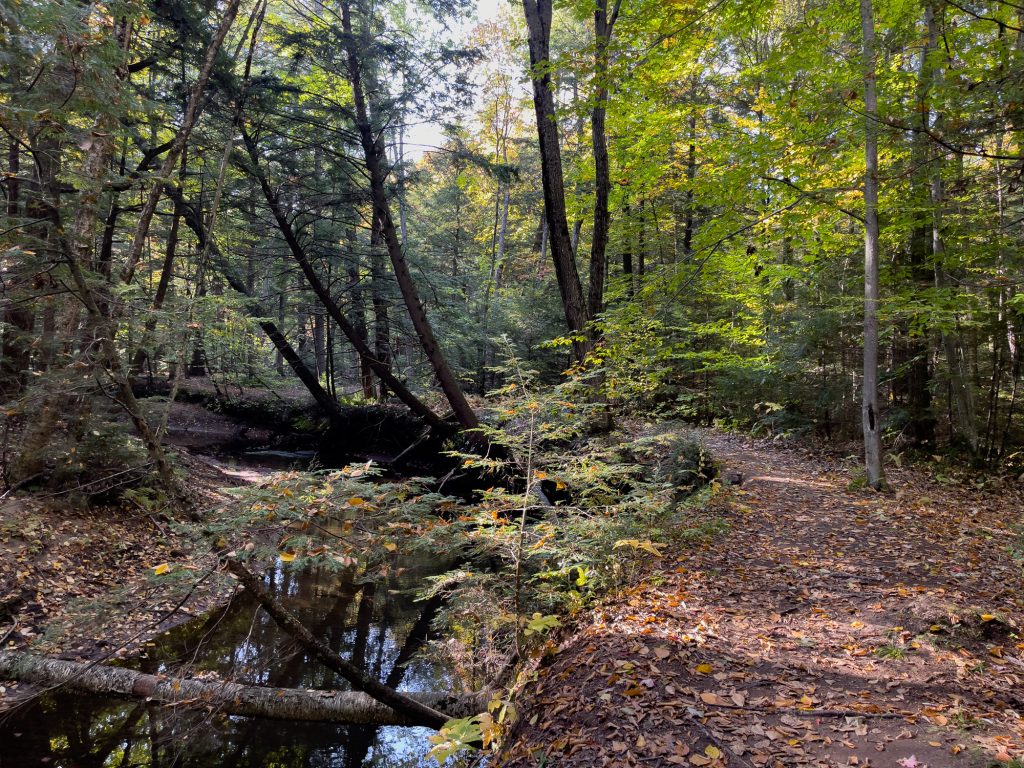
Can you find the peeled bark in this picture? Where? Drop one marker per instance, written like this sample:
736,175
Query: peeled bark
349,707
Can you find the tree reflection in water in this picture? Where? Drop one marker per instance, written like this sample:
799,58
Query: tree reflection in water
378,625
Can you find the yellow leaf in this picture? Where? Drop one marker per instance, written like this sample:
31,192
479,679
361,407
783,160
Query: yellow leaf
355,501
161,569
704,669
286,557
713,752
287,492
390,546
987,617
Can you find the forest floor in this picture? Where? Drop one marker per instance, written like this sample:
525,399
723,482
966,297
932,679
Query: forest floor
827,627
78,580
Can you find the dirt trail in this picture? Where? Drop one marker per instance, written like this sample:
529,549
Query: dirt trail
828,627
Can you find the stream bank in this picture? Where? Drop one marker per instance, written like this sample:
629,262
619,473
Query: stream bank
71,557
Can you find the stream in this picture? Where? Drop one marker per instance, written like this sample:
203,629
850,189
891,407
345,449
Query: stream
377,625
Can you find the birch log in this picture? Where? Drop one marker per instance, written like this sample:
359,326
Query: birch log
343,707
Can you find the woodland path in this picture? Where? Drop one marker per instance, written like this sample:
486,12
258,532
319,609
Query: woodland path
827,627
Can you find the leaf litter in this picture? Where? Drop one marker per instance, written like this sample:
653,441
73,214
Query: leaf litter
828,627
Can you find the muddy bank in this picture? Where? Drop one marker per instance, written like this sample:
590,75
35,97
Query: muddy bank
242,423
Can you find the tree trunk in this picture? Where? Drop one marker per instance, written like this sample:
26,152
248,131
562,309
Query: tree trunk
352,707
373,155
380,368
196,98
357,316
287,354
961,388
420,713
604,24
870,416
538,22
19,311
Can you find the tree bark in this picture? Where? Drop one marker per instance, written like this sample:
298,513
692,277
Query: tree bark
604,24
538,21
961,387
286,352
351,707
870,416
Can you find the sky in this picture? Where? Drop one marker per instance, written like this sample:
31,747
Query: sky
424,137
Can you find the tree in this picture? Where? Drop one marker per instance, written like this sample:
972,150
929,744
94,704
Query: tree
538,24
871,415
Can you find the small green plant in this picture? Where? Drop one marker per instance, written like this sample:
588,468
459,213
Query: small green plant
462,734
891,651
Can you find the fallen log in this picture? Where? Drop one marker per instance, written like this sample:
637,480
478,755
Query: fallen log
343,707
418,712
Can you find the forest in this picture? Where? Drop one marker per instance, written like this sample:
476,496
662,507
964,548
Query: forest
512,382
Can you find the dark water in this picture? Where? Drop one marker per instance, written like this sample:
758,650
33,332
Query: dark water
377,625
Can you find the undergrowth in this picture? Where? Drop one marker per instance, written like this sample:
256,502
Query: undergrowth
565,518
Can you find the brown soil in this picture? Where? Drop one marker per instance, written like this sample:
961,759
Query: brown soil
828,627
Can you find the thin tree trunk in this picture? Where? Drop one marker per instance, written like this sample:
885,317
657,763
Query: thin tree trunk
373,154
357,315
284,350
379,300
604,25
961,389
870,416
188,122
18,311
689,224
162,286
382,370
400,702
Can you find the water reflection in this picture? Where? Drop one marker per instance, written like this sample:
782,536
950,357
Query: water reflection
377,625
